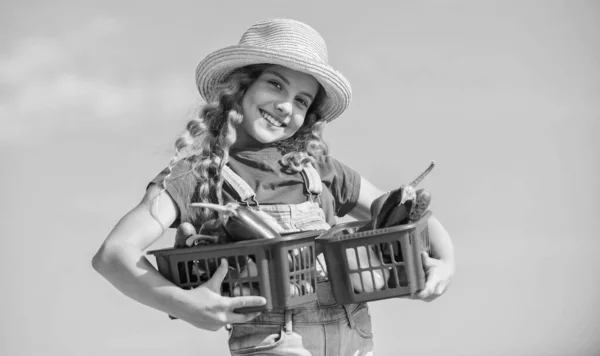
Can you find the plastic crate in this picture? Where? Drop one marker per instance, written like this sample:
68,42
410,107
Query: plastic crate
282,270
398,250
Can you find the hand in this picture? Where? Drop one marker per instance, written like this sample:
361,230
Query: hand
211,311
438,274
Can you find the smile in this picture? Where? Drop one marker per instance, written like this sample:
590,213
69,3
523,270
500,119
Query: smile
270,119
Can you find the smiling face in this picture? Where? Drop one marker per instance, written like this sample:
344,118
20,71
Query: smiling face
275,105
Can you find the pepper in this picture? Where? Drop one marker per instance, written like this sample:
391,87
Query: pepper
376,206
397,206
241,222
421,204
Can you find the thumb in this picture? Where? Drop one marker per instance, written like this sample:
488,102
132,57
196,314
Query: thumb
428,262
214,283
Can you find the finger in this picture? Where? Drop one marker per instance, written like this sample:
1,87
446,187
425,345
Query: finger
428,262
431,298
441,288
425,296
425,293
438,290
245,302
214,283
430,285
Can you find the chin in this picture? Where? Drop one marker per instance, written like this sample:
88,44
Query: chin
266,139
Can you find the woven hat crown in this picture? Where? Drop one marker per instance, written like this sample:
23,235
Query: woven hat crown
287,36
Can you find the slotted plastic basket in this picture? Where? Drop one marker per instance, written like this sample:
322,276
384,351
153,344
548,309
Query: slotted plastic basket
375,264
282,270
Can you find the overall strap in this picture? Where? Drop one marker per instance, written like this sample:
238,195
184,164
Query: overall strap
312,182
314,186
242,188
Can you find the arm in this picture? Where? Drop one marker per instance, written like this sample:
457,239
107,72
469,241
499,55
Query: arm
440,267
441,244
121,261
368,193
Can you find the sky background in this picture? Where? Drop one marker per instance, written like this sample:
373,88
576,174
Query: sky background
503,95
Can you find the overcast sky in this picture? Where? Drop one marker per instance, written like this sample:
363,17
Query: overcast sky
503,95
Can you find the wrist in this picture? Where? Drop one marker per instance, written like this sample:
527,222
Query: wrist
177,302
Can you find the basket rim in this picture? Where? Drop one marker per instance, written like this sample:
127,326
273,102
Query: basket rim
334,235
294,236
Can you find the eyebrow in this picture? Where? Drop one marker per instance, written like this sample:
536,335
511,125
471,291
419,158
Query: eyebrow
286,81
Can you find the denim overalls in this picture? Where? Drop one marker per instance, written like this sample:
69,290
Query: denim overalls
318,328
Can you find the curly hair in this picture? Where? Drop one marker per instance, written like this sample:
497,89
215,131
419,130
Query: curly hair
208,137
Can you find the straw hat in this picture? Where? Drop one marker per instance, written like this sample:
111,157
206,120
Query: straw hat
285,42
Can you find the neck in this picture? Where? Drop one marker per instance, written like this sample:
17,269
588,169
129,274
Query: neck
242,145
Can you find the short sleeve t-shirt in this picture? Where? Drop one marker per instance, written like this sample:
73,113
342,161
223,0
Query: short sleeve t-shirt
272,183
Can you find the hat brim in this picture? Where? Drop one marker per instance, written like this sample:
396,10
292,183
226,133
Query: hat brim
215,67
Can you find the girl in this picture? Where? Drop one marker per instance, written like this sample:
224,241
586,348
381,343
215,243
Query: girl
258,140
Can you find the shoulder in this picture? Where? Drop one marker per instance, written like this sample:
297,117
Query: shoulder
326,164
180,172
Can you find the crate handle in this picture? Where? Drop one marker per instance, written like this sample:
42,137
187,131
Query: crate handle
339,227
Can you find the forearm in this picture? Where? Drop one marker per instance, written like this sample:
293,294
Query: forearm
442,247
126,267
121,259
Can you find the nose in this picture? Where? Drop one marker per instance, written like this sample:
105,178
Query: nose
284,108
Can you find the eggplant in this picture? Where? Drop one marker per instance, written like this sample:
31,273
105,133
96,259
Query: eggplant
377,204
397,206
241,222
400,214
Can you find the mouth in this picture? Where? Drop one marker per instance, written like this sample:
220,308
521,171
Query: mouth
270,119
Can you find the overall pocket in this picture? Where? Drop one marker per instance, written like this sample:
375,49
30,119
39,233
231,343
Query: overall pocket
362,321
251,339
260,339
308,216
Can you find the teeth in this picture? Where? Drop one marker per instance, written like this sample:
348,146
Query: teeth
270,119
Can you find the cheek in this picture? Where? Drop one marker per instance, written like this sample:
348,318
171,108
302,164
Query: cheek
298,120
250,97
245,105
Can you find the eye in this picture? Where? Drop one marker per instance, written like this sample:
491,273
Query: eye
302,102
276,84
